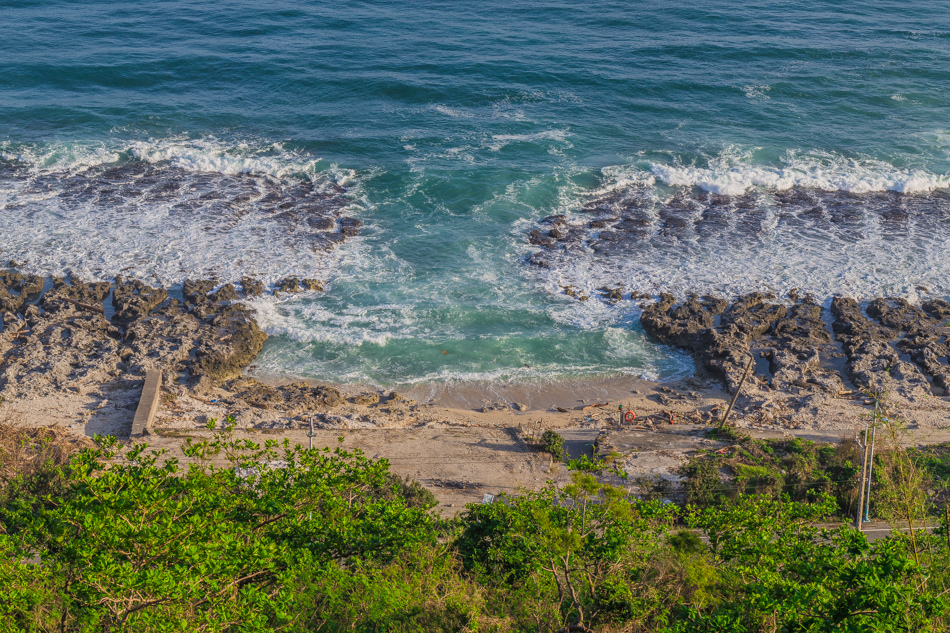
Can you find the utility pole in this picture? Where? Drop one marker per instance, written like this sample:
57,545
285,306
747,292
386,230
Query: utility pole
867,499
864,458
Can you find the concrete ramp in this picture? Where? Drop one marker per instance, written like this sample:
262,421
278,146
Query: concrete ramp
148,404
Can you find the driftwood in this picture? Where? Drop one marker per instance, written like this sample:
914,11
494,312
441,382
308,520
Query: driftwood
84,306
735,396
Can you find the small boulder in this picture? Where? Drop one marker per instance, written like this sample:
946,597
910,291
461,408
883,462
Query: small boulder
312,285
290,284
365,399
251,287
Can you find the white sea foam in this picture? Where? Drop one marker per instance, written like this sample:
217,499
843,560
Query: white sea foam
622,177
64,157
86,208
757,93
207,154
304,320
865,258
500,141
853,238
734,174
455,113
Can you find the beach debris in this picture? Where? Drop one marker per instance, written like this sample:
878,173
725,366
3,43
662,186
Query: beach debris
735,396
84,306
451,483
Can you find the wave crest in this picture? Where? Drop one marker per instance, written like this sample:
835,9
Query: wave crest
734,175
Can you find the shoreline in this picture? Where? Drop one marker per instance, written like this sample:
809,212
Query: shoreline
74,355
64,338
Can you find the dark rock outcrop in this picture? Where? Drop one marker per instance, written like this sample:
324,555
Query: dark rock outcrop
64,340
872,362
251,287
133,299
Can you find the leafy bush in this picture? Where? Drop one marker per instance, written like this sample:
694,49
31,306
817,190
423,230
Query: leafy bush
703,486
811,579
581,551
553,443
260,538
140,543
795,467
586,465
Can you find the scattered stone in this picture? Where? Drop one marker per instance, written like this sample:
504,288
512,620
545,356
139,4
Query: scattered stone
538,238
366,399
195,290
251,287
612,295
290,284
350,226
577,293
235,342
312,285
224,293
872,362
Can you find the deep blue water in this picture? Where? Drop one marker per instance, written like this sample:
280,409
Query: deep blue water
455,127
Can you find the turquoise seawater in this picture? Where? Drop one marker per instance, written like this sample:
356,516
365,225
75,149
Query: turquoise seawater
142,137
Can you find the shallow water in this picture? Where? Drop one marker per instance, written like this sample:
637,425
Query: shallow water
766,145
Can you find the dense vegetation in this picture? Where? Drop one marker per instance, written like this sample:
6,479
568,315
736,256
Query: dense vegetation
273,537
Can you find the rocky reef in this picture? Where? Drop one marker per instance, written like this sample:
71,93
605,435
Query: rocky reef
805,354
65,334
90,344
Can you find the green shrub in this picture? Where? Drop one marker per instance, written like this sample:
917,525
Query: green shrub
686,541
586,465
703,484
139,543
553,443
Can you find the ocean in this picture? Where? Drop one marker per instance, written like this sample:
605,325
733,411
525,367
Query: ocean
711,147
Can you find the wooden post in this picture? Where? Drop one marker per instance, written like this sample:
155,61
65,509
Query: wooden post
745,375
